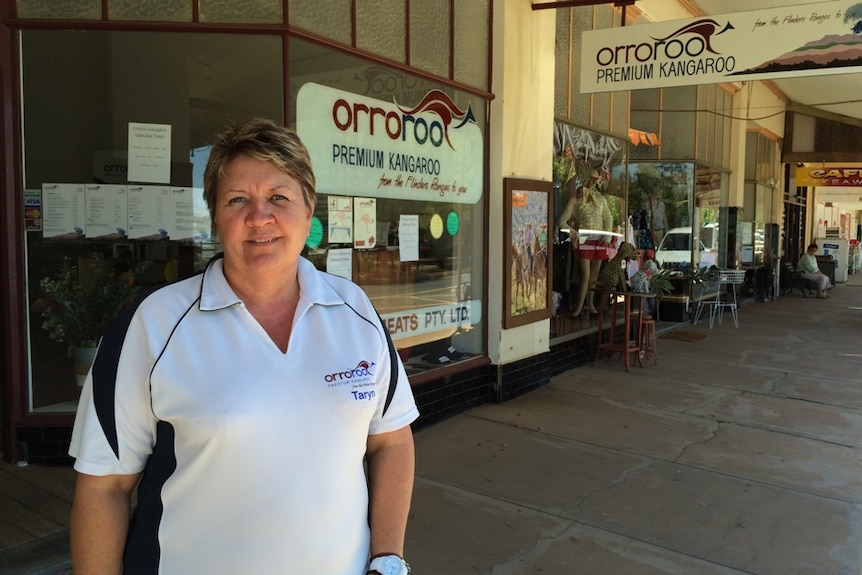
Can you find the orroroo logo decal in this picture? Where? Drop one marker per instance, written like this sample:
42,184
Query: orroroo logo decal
412,123
686,51
407,148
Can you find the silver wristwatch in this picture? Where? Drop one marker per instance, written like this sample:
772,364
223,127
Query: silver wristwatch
388,565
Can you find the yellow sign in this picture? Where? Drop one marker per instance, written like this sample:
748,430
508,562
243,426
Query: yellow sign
436,226
831,176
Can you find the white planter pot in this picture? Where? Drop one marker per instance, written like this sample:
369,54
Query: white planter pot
83,357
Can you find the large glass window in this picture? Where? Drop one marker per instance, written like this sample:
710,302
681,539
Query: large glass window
413,151
660,211
580,154
84,93
675,211
89,214
760,195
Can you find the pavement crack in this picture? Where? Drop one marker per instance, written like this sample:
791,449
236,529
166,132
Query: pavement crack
621,479
515,565
703,441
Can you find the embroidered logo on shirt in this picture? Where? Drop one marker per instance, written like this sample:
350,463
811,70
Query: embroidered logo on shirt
361,374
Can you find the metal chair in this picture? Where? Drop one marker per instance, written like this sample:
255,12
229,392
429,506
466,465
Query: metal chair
726,278
711,286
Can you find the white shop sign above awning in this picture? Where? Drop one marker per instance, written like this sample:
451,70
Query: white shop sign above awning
791,41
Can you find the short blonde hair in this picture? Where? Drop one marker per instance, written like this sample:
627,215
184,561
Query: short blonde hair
262,140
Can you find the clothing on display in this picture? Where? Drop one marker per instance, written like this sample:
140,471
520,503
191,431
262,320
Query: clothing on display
642,232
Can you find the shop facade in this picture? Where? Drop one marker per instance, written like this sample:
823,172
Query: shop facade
695,183
109,109
418,115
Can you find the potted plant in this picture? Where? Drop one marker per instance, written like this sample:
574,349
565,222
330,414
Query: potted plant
699,279
80,301
660,283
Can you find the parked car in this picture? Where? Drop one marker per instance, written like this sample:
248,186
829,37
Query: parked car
674,250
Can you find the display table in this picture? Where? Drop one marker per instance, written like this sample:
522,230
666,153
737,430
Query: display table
627,346
674,305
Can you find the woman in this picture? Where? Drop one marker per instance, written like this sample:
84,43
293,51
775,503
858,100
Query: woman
587,209
241,402
808,268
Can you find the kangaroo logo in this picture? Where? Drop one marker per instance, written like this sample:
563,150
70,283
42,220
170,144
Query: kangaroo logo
363,365
705,28
439,103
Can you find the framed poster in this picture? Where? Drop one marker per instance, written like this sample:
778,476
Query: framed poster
527,269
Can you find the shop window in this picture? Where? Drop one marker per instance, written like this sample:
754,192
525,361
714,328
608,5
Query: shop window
563,66
472,42
380,28
246,12
760,196
83,94
153,10
646,116
661,209
67,9
328,18
400,191
704,120
577,153
429,36
420,253
678,129
568,102
602,111
679,211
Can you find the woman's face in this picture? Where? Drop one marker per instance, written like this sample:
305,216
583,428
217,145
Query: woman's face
261,215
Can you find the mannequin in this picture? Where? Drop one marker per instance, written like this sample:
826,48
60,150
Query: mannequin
587,209
659,218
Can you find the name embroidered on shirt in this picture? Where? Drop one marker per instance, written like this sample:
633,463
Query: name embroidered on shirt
366,395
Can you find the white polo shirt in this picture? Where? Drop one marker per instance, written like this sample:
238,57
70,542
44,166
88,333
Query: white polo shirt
252,458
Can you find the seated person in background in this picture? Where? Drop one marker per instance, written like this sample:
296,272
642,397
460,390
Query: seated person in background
808,268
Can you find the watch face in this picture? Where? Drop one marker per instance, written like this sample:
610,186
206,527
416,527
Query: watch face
389,565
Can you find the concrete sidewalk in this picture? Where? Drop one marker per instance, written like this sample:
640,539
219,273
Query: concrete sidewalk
738,453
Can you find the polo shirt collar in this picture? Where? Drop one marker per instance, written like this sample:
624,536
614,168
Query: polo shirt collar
216,293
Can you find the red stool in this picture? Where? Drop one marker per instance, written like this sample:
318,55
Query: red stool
649,341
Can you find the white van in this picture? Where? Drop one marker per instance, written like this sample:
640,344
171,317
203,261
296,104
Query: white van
675,247
709,237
